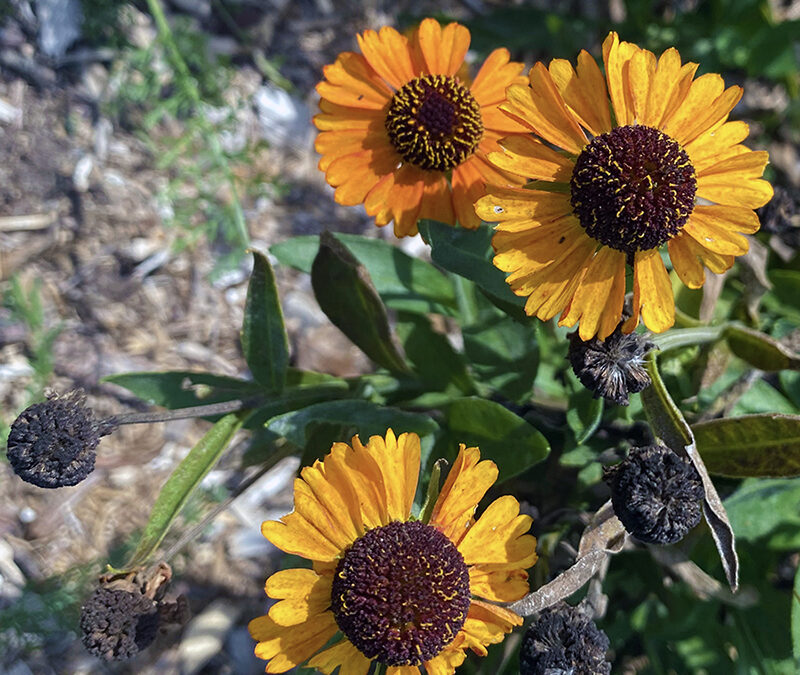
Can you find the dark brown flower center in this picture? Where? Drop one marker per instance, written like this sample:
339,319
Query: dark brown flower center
633,188
434,122
401,593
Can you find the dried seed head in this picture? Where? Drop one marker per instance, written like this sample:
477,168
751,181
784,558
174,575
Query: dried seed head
117,624
52,444
612,368
656,494
564,640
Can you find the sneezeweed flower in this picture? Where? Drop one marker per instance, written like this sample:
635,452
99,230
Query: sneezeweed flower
657,495
613,184
564,640
52,444
404,132
384,586
612,368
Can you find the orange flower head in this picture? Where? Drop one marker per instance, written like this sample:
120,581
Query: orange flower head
621,164
385,586
405,133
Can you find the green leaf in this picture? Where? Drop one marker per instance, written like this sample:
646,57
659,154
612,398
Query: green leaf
762,505
505,438
504,354
180,485
435,361
345,293
584,413
368,419
796,619
182,388
264,341
468,253
404,283
760,350
753,445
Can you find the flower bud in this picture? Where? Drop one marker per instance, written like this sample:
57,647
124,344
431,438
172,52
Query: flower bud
656,494
117,624
52,444
612,368
564,640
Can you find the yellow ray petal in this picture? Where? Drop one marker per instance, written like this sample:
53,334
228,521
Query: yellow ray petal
437,200
615,55
745,165
599,298
652,292
387,53
498,585
524,156
467,482
687,121
334,117
287,648
584,91
716,262
541,107
293,534
537,206
495,75
443,49
355,175
706,149
678,93
731,190
343,655
304,594
446,662
640,71
733,218
714,237
486,625
500,536
687,266
399,462
351,81
334,144
662,83
326,499
468,187
526,251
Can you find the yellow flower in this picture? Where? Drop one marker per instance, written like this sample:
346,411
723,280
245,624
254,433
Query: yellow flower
403,132
660,165
390,588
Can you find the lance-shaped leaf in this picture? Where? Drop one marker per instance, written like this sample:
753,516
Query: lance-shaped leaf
264,341
760,350
180,485
669,425
765,445
796,618
345,293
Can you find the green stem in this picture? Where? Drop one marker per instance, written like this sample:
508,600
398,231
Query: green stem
109,424
684,337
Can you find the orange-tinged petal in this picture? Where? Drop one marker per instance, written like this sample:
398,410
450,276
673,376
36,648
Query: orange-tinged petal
338,117
716,262
343,655
524,251
615,55
403,670
652,293
640,70
351,81
500,536
731,190
286,648
598,301
486,625
584,91
687,265
304,594
496,120
525,156
334,144
516,204
365,475
467,482
294,534
686,121
443,50
437,200
498,585
387,53
714,237
495,75
541,107
745,165
713,115
679,91
705,150
468,187
446,661
662,83
355,175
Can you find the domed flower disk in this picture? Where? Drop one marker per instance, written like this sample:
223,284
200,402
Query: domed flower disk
384,586
403,131
624,164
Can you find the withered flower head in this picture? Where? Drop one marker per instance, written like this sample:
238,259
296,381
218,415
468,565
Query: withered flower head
564,640
656,494
117,624
612,368
52,444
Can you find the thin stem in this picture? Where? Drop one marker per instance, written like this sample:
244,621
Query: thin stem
684,337
109,424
